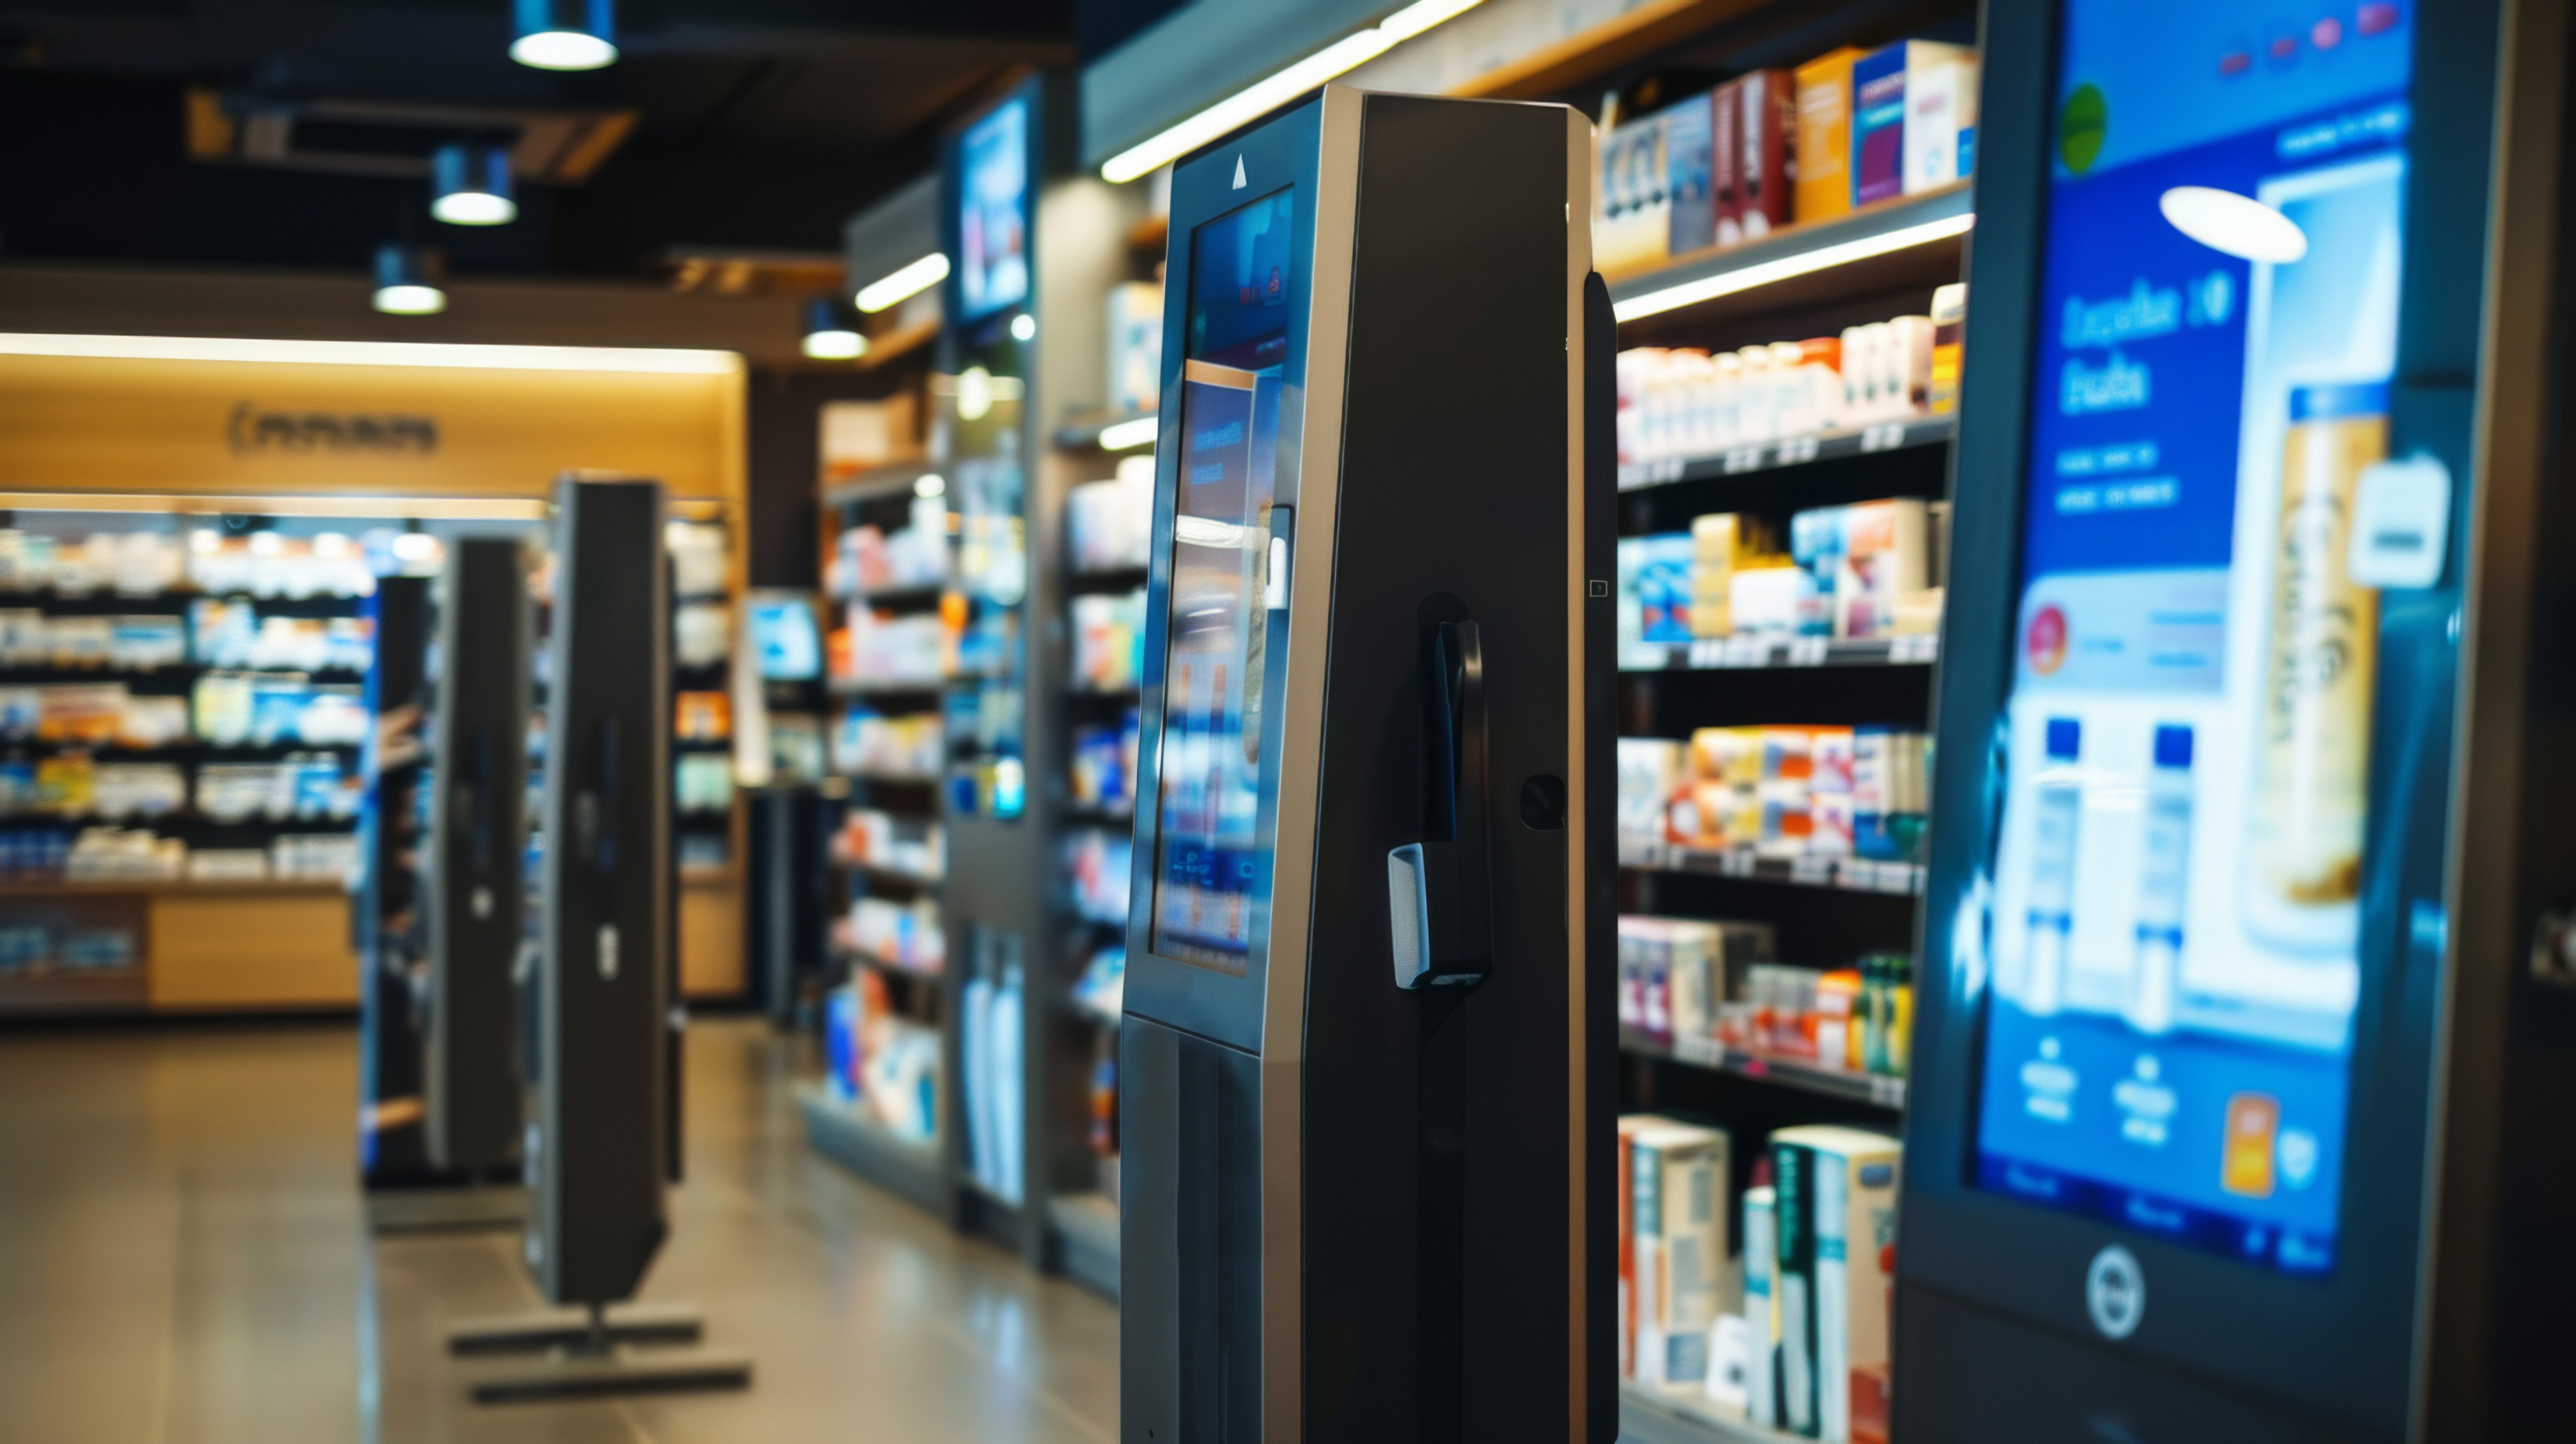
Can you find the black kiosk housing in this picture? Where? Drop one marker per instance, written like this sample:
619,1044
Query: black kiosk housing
2237,1078
600,1143
477,850
1366,1095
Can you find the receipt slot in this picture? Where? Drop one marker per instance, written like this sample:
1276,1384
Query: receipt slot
1366,1095
2237,1093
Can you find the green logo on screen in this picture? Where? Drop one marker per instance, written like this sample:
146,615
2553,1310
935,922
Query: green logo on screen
2080,126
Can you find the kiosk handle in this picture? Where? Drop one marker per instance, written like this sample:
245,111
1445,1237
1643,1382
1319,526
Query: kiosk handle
1439,890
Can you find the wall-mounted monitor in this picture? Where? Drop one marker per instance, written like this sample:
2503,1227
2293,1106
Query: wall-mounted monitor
993,210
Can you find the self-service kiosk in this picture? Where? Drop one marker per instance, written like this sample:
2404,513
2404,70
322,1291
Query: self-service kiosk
600,1133
2234,1113
1366,1096
477,832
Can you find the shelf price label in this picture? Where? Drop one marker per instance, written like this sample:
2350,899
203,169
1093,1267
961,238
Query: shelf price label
1883,436
1736,862
1886,1092
1797,450
1741,459
1709,652
1813,871
1914,647
1808,651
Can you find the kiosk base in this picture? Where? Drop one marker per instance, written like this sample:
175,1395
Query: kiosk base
1971,1373
430,1210
590,1354
595,1329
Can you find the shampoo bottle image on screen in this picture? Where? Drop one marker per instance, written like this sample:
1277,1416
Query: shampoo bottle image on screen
2311,782
2164,875
2057,810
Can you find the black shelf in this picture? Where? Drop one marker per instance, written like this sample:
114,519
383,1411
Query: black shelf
918,880
1107,579
916,594
1848,874
1647,1416
1112,819
858,1143
1790,451
1874,1089
1723,654
878,483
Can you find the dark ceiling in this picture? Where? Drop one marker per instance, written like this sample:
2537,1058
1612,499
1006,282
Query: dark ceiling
759,123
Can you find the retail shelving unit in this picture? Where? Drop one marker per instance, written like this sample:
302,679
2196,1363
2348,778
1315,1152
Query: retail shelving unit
1801,280
92,933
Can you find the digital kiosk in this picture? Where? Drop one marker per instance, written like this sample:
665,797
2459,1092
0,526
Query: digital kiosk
601,1128
1367,1102
2224,1123
477,836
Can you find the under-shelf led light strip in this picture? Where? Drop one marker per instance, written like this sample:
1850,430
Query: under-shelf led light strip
650,359
1764,273
1262,96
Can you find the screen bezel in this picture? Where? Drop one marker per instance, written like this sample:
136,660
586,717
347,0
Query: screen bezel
1282,153
2342,1345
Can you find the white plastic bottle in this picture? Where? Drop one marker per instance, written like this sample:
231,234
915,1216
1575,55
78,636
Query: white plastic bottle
2057,810
2163,883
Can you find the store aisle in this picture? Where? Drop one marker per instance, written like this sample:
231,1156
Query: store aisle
183,1261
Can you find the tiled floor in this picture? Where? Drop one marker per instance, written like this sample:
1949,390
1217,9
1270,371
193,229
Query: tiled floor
183,1258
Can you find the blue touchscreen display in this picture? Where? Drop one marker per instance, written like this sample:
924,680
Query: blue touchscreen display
2176,889
1224,603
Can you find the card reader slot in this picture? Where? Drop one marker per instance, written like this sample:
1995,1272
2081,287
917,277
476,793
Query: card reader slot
1439,890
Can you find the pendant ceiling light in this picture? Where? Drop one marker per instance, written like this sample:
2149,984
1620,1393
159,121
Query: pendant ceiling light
564,34
470,185
407,281
828,333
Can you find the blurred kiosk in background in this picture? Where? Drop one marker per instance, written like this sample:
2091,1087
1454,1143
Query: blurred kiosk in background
2238,1106
1367,1099
601,1141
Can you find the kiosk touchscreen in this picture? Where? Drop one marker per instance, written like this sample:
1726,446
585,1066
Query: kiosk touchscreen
2226,487
1366,1100
477,835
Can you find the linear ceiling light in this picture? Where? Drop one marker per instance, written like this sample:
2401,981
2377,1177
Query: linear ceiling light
1263,96
1764,273
1128,435
564,34
656,360
903,285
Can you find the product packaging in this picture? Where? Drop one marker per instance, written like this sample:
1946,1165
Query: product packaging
1880,84
1135,346
1767,138
1885,546
1836,1217
1691,222
1680,1218
1824,140
1949,328
1726,164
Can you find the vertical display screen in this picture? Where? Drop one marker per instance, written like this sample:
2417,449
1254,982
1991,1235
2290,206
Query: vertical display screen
993,223
1223,601
2175,957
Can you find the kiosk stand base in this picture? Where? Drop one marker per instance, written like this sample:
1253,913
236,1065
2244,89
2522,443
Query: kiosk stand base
590,1353
432,1210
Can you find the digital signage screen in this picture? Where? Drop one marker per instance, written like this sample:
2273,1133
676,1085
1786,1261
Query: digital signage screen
993,211
1209,854
2175,959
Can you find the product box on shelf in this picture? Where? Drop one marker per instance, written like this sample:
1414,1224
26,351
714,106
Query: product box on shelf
1678,1210
1836,1253
858,436
1635,223
1109,524
1688,141
1823,88
1766,136
1135,346
1882,82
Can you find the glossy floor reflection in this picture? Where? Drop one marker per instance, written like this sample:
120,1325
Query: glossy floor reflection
183,1259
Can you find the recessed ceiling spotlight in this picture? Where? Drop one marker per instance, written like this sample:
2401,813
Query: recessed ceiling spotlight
470,185
564,34
828,333
407,281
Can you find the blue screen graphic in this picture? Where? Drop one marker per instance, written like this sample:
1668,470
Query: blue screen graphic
2175,892
1223,603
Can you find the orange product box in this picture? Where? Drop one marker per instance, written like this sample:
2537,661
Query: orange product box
1824,98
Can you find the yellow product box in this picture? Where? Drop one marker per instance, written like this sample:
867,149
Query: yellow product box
1824,90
